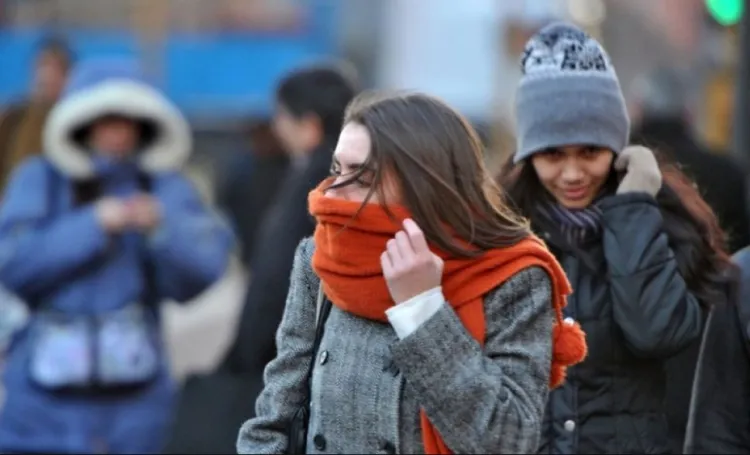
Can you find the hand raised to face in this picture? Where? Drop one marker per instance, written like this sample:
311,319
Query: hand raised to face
409,267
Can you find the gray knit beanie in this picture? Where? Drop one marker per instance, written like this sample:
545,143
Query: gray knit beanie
568,95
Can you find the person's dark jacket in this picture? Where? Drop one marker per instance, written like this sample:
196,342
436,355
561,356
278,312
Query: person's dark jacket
286,223
720,178
720,411
637,312
250,184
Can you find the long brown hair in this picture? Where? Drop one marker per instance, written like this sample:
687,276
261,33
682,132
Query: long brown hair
436,159
692,229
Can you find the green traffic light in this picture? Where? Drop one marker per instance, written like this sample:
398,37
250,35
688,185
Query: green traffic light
726,12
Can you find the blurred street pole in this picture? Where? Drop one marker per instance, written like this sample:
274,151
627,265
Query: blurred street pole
741,133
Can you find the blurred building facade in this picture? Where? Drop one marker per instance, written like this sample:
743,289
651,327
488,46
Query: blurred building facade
221,58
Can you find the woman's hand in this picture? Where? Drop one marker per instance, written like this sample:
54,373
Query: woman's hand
642,171
409,267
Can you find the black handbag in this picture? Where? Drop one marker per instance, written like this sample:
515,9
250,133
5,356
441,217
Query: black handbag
297,434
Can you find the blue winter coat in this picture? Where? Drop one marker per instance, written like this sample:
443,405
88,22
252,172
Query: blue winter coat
48,244
38,254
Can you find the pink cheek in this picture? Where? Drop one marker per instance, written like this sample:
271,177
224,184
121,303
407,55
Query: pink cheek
550,181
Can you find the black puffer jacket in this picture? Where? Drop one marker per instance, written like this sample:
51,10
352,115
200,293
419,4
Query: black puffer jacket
637,312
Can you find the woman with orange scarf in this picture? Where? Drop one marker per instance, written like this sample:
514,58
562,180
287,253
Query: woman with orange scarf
445,331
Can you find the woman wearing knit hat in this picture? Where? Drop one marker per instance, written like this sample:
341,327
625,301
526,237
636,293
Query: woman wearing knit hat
642,250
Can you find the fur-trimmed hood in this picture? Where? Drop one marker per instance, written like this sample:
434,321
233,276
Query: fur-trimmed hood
101,88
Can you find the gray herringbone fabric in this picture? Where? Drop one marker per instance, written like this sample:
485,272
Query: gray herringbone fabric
368,386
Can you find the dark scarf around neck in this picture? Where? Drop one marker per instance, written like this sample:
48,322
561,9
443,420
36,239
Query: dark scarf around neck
577,227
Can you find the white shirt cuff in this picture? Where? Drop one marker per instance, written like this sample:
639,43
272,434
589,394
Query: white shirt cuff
407,317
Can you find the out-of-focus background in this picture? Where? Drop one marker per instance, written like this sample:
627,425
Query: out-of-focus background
220,61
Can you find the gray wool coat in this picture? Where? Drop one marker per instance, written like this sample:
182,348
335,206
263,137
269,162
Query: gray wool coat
368,386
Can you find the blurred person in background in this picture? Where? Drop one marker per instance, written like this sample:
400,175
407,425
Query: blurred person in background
95,234
310,104
643,251
444,330
21,123
659,100
249,183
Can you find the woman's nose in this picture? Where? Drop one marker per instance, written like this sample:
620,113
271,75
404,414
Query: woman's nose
337,192
572,172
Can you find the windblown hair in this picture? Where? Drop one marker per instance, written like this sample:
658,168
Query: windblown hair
436,159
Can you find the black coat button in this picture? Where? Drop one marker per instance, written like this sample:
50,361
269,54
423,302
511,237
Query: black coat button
320,442
323,357
388,448
389,366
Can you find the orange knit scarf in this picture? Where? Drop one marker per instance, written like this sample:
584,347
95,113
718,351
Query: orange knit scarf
347,259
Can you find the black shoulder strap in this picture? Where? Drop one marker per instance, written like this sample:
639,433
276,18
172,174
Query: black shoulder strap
323,309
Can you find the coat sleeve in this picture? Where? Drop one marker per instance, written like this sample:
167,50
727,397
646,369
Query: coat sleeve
192,248
36,252
491,399
285,376
719,419
651,303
